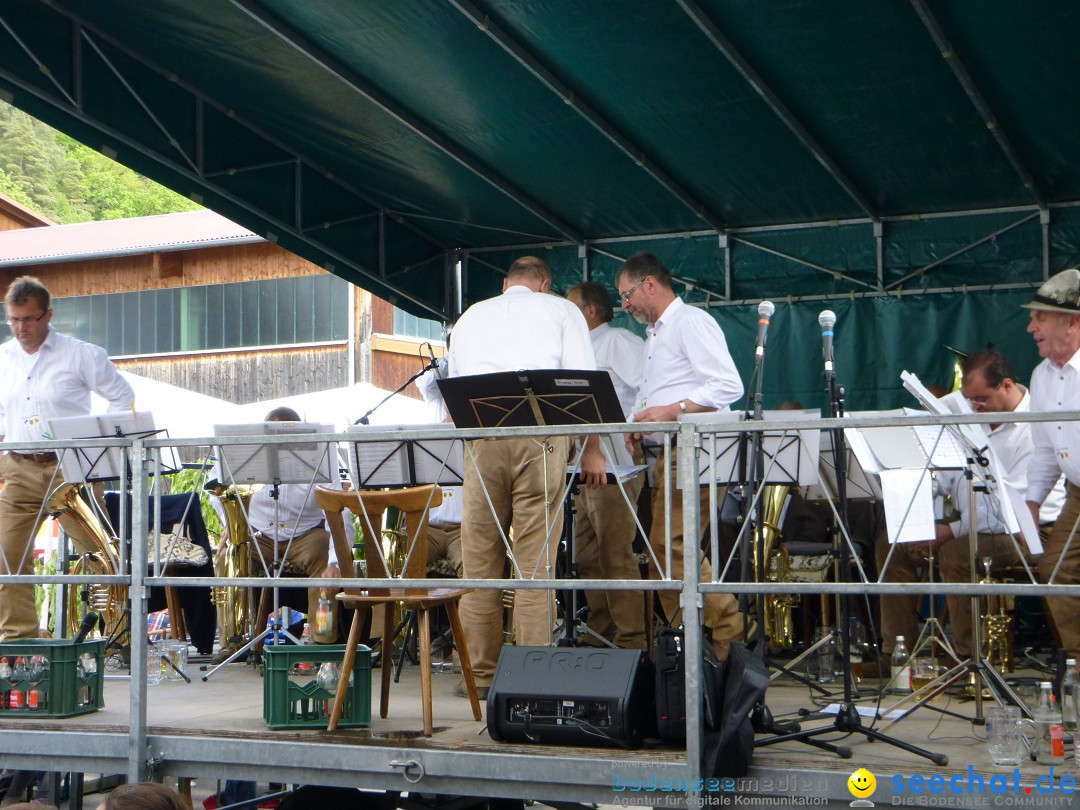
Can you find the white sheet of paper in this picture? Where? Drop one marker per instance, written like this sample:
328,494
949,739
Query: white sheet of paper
941,446
1027,528
909,505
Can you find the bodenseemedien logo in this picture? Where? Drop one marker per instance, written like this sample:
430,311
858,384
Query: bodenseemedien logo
862,785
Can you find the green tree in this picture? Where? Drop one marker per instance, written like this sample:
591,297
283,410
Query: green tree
69,182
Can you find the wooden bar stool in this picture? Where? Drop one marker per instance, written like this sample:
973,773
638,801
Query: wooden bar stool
370,507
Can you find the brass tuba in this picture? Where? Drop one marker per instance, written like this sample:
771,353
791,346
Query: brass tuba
99,554
776,618
235,609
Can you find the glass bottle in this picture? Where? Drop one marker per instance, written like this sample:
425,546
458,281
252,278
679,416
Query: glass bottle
901,668
1049,734
324,616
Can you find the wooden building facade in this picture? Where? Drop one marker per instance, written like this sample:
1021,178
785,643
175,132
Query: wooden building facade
93,268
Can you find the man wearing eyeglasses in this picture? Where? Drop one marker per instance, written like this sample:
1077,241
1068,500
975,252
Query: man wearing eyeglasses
990,386
687,369
43,375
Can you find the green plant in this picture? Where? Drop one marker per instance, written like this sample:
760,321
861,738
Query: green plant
193,478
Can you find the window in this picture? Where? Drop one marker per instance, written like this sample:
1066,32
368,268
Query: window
408,325
216,316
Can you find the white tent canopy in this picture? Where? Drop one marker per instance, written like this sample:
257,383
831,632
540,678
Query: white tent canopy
343,406
185,414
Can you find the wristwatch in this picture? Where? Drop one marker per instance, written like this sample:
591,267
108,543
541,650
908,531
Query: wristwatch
682,406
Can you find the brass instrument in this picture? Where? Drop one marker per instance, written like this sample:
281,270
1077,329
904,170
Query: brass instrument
99,554
996,622
776,613
235,608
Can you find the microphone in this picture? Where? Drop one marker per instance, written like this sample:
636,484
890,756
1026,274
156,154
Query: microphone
89,622
765,312
827,320
433,364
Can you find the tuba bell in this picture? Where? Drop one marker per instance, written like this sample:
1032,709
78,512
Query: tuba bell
776,618
234,604
99,554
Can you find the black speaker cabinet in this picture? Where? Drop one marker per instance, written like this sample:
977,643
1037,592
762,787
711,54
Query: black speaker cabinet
571,696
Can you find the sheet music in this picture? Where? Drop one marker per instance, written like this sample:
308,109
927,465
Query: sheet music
299,463
103,463
405,461
1022,515
949,404
941,446
909,505
862,483
791,456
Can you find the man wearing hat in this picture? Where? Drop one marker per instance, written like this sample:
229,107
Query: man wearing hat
1055,386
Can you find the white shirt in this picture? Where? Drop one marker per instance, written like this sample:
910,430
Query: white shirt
686,357
53,382
520,329
620,352
295,513
447,513
1013,447
428,386
1057,444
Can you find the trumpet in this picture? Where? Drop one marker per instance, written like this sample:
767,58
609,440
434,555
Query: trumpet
99,555
776,612
235,608
996,622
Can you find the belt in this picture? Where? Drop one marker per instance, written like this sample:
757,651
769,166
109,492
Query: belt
40,458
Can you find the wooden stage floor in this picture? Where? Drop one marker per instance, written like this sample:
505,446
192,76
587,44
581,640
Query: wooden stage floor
215,729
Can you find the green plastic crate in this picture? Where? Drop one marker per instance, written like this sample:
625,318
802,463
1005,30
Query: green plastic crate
294,699
68,690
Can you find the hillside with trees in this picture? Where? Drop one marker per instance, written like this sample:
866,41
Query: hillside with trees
66,181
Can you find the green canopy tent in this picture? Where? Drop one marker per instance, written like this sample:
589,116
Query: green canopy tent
907,164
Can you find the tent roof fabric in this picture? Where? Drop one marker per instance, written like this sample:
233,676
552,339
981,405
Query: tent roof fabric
378,138
797,150
119,237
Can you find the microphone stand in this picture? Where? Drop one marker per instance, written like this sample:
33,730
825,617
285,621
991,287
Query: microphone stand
431,366
847,720
761,716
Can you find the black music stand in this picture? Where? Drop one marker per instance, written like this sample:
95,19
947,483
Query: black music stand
533,398
89,465
273,465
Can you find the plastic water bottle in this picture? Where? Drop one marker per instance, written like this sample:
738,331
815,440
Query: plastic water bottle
1049,733
1069,685
901,668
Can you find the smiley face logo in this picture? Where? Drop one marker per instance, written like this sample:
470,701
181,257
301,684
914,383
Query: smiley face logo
862,783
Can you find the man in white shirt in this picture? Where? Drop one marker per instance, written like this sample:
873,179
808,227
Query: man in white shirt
43,375
605,525
990,387
524,328
687,369
296,526
1055,386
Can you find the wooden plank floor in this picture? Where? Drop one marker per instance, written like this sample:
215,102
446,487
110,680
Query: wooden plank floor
229,707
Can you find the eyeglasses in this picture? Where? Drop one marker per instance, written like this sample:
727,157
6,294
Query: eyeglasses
26,321
625,296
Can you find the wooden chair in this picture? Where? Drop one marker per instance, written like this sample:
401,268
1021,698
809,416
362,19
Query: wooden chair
370,507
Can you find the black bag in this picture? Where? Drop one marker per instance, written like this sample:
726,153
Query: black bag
731,690
670,664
